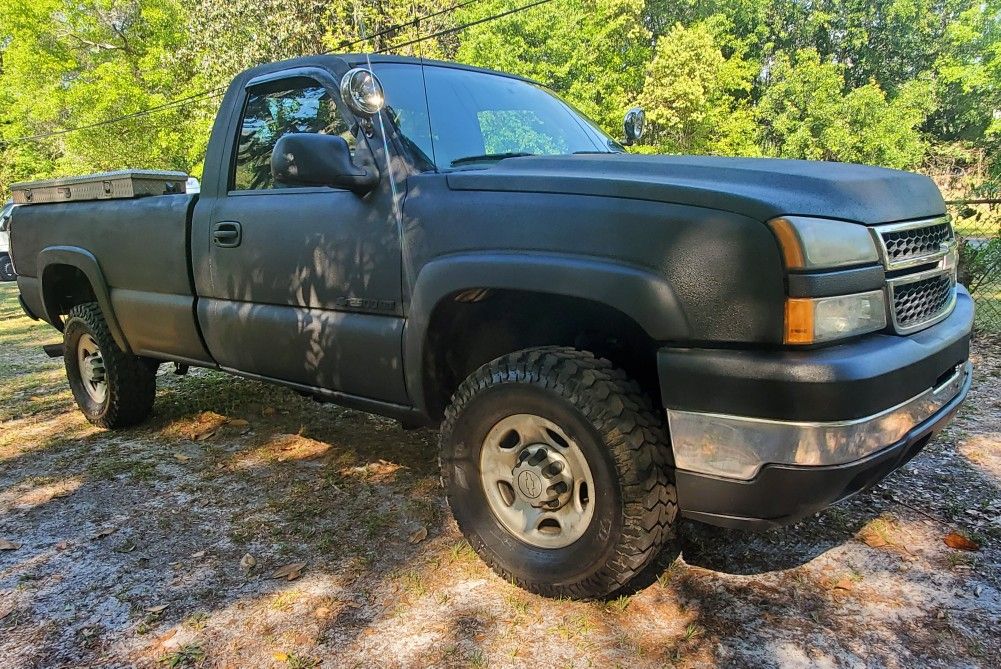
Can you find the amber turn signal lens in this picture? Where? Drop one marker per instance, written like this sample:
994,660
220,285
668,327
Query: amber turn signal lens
792,252
799,321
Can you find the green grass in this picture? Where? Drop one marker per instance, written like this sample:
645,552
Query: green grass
185,656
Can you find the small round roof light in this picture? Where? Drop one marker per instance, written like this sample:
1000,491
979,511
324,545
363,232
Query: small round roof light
362,92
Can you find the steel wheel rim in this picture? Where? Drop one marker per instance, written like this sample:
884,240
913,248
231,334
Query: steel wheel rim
537,481
92,372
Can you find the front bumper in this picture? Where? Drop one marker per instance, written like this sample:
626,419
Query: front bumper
784,434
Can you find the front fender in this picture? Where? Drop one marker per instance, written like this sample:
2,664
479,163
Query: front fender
83,260
637,292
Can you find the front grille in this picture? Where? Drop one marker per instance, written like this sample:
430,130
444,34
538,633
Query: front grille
913,243
921,301
919,295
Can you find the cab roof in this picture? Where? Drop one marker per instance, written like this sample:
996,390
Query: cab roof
362,59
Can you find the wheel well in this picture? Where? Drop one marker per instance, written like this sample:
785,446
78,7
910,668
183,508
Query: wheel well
471,327
65,287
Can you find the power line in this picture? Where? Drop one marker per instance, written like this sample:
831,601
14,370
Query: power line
221,89
448,31
118,119
391,29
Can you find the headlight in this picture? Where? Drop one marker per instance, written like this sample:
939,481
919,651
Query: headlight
817,243
819,319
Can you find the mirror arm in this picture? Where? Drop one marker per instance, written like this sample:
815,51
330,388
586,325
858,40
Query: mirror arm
363,180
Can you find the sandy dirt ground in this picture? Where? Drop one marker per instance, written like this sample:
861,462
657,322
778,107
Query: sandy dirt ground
245,526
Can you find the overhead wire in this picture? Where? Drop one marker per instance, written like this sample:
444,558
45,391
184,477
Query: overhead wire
219,90
212,92
470,24
391,29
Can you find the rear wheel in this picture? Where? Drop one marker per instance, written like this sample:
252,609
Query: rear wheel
112,388
6,268
556,469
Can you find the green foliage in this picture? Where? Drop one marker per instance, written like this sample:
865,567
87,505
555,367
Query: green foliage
978,261
698,98
873,81
68,64
592,52
806,111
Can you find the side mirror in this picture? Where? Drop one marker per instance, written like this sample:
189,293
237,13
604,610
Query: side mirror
312,159
633,124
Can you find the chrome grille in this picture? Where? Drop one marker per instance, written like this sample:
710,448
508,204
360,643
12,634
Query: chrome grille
919,302
914,243
921,298
905,245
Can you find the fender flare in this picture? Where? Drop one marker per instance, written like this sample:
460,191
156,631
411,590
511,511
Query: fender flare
86,262
637,292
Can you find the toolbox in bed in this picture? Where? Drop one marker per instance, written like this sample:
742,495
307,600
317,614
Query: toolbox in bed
124,184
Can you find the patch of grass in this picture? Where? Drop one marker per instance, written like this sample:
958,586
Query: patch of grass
619,604
187,655
30,391
284,601
425,511
519,604
664,577
958,559
414,583
573,626
197,620
883,530
693,631
461,551
477,659
376,523
296,661
111,465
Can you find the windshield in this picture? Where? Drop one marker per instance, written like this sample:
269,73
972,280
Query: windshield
467,119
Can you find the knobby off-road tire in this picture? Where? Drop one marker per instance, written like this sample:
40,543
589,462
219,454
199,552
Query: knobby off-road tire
598,409
129,381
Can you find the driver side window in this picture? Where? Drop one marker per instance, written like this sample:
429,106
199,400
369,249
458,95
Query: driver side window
290,106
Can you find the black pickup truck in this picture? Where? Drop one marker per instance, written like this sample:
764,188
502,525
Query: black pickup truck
604,339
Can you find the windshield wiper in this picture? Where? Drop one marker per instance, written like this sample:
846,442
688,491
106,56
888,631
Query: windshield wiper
487,156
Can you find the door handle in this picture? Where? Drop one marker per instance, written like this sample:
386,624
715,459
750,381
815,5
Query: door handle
227,234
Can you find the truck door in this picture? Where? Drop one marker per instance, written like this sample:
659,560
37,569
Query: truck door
299,284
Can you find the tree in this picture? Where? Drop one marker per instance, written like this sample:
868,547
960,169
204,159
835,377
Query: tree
229,36
805,112
72,64
696,98
592,52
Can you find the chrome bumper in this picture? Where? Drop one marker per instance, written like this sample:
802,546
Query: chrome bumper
738,446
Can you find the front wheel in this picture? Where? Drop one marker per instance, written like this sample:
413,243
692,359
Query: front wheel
556,469
112,388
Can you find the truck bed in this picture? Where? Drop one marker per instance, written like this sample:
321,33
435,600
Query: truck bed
141,248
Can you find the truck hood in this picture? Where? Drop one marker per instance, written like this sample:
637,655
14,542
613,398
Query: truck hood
760,188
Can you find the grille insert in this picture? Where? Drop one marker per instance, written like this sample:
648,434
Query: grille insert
920,302
912,244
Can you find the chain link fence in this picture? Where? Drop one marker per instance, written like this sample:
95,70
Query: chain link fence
978,228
